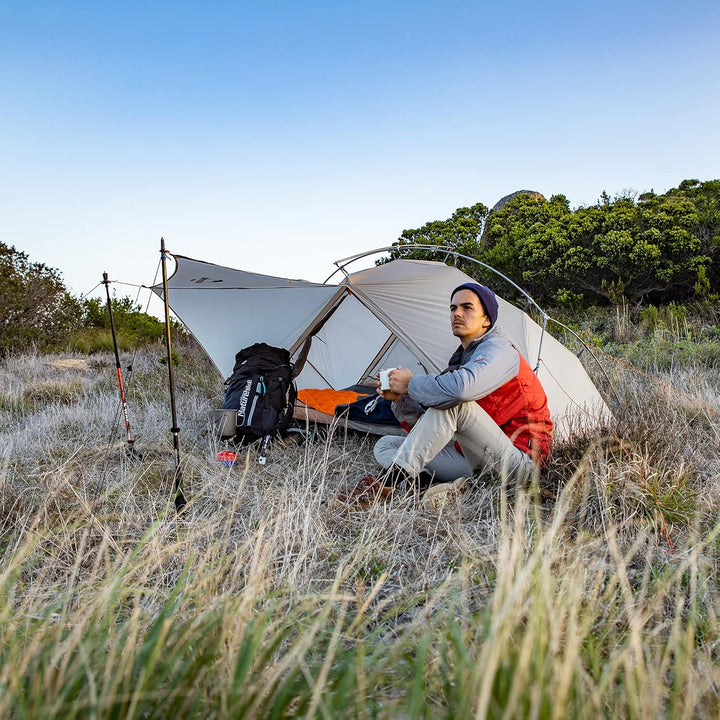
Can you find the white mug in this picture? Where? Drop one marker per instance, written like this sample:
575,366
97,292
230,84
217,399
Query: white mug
385,378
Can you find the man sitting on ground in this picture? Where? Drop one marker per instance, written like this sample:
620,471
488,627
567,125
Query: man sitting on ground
487,409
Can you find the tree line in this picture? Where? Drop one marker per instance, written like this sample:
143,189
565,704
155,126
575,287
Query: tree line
37,310
644,249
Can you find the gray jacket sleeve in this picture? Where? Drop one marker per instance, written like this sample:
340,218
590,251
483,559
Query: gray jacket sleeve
492,362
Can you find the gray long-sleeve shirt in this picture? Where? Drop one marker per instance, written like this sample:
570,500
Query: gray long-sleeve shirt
486,364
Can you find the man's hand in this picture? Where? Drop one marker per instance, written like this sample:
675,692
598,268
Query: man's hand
399,380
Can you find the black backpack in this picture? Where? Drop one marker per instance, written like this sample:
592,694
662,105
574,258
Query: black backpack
262,391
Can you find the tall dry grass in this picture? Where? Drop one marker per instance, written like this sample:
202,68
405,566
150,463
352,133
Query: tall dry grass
593,592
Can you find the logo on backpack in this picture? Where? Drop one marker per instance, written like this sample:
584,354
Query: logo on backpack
244,397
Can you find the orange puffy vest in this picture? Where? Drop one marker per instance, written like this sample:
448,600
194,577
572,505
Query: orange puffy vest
520,408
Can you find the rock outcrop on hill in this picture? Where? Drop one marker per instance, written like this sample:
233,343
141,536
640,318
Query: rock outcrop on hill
505,200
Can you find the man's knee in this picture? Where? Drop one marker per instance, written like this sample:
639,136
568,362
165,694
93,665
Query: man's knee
440,417
386,448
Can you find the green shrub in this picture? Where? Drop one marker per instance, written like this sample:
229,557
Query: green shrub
36,310
134,326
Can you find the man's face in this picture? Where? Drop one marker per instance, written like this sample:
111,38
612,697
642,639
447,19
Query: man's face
467,316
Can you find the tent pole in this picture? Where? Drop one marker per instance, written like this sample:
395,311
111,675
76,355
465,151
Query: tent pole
132,452
180,500
342,264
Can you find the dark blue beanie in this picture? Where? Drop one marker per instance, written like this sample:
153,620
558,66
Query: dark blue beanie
487,298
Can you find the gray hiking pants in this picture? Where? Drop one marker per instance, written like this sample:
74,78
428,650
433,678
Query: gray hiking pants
430,445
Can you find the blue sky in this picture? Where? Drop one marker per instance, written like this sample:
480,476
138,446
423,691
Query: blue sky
281,136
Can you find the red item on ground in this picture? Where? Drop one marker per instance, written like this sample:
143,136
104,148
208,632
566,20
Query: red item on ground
227,457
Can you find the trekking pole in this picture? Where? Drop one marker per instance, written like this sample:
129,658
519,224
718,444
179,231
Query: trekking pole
180,500
132,452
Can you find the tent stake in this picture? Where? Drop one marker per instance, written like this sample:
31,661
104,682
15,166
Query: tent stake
180,500
132,452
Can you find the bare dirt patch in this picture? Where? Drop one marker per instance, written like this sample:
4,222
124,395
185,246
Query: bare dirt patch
70,364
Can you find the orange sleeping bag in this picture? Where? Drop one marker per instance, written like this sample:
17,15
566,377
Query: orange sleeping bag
327,400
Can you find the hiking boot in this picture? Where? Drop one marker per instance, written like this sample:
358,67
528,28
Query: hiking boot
366,493
441,495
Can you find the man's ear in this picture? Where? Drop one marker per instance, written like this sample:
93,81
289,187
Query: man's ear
487,323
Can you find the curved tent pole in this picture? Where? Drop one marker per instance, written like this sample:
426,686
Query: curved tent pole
344,262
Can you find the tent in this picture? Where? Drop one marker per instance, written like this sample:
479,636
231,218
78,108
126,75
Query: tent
390,315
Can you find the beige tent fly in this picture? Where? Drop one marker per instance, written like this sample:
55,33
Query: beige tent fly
390,315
